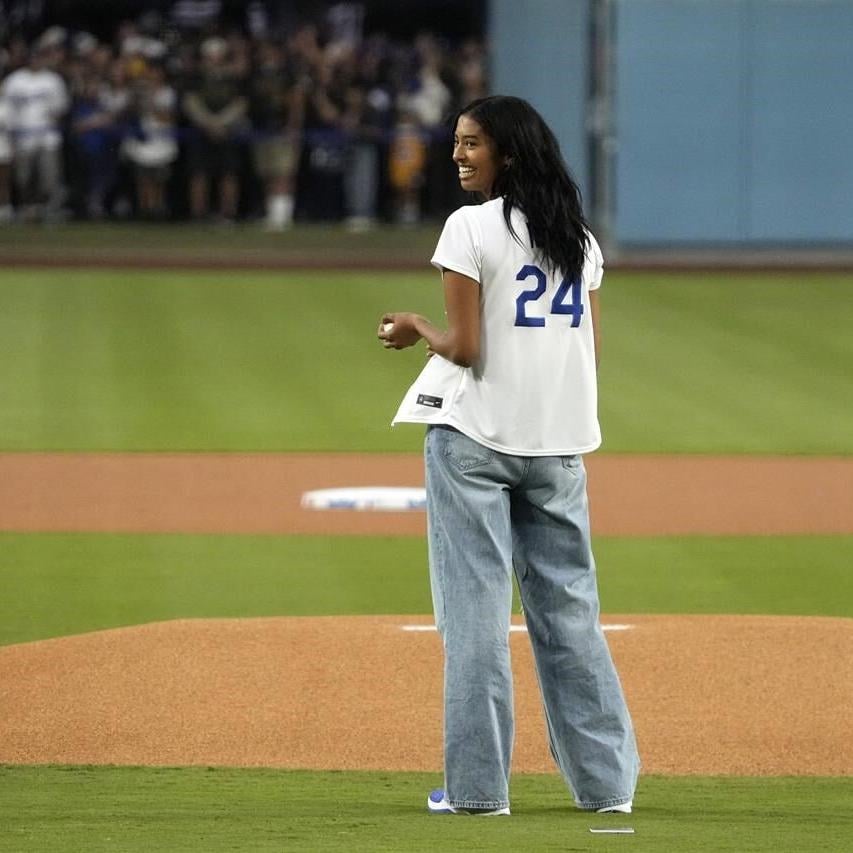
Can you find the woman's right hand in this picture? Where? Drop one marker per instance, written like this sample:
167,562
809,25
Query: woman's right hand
398,330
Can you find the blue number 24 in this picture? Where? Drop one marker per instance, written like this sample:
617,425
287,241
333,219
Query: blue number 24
572,289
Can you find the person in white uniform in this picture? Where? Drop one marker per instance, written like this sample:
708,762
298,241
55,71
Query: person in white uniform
509,396
37,98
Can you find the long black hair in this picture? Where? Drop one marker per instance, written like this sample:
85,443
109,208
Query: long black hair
535,179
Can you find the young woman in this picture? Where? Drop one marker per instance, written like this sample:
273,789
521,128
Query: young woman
510,399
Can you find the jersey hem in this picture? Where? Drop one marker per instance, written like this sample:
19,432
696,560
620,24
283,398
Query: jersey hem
493,445
509,451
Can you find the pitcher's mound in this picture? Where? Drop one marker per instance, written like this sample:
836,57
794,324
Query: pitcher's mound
709,694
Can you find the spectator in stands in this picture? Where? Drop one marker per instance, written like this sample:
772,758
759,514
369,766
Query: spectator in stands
325,144
277,101
429,99
342,126
407,159
216,108
304,51
471,73
152,145
98,115
361,177
366,121
37,99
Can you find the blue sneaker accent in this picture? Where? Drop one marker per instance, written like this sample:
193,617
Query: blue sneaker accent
437,803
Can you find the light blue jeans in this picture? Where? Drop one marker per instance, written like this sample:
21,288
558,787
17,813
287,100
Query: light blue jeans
489,514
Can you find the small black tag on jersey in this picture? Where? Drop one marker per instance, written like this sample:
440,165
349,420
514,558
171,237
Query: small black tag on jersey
432,402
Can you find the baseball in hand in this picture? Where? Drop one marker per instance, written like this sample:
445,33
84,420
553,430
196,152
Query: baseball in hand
387,327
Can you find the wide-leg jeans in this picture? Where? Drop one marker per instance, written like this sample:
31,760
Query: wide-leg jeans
490,514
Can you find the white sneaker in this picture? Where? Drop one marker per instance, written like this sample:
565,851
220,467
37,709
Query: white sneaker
622,808
437,804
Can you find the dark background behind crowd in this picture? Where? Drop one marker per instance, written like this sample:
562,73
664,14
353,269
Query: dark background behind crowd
216,110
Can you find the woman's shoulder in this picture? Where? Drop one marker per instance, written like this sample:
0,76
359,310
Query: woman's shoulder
482,217
466,217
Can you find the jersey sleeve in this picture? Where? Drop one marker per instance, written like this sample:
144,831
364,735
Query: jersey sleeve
595,261
460,247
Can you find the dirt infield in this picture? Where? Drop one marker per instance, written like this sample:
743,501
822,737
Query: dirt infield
741,695
260,493
709,694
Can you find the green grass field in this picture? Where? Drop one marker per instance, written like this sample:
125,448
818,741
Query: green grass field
132,809
130,360
58,584
240,361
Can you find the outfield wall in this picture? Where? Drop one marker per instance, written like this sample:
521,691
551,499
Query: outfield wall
727,120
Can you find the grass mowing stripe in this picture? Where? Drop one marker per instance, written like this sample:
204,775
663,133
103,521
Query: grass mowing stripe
136,360
71,583
146,361
725,363
57,584
727,574
200,809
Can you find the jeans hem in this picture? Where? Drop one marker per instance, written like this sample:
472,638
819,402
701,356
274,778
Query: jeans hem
479,804
604,804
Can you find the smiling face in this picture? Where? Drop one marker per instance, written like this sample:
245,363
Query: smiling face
475,156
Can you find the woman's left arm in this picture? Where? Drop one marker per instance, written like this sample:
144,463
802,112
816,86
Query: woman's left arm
460,342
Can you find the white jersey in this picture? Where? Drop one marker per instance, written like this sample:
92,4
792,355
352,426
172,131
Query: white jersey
533,390
36,101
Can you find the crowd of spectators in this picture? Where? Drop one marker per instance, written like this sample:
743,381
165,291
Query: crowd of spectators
177,119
